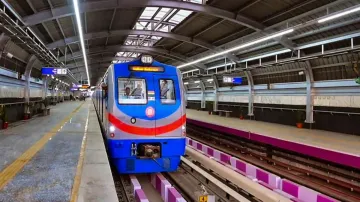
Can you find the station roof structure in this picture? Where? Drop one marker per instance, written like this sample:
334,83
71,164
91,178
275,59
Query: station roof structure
201,37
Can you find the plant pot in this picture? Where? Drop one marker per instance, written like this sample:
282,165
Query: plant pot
26,116
5,125
299,125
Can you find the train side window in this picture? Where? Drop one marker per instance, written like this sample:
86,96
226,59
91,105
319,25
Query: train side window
132,91
167,91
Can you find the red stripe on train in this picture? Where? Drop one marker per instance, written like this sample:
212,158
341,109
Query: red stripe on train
146,131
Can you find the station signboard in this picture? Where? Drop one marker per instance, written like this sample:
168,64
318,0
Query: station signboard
53,71
234,80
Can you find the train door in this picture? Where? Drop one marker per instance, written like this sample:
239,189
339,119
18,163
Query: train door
167,101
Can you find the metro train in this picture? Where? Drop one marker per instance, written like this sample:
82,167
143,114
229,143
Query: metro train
140,105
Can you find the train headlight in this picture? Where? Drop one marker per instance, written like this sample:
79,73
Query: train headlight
111,129
183,130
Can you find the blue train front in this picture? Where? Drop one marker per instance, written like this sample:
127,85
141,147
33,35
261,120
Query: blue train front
142,111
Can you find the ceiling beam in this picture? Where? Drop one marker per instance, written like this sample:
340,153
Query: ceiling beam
137,49
105,60
64,11
106,34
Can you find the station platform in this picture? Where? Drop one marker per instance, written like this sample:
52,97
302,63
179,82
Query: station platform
334,147
60,157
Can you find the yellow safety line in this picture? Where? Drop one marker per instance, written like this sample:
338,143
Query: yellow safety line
77,180
10,171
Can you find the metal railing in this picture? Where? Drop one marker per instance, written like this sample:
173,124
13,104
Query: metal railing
284,109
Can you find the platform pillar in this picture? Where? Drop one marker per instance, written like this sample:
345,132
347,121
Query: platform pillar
251,93
309,91
216,93
3,41
185,95
29,66
203,99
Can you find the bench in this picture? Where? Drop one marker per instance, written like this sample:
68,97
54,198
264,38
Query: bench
221,112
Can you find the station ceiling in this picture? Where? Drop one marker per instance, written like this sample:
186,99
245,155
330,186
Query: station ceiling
178,32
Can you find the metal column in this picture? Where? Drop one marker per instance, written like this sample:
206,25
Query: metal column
203,101
3,41
251,93
309,94
46,79
27,74
309,91
185,94
216,93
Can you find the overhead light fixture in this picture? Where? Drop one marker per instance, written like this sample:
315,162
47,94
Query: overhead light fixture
238,47
196,81
78,22
266,55
193,70
186,83
210,80
222,65
347,12
9,55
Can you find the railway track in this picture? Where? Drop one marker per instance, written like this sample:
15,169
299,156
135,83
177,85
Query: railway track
191,183
336,181
122,187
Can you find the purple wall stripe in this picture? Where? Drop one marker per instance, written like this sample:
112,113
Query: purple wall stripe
199,146
263,176
173,195
224,158
210,151
322,198
241,166
290,188
139,195
158,183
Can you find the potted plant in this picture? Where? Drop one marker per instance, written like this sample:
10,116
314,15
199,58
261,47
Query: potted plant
241,114
300,117
357,80
3,116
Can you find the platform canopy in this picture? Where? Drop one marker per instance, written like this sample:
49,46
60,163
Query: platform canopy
272,39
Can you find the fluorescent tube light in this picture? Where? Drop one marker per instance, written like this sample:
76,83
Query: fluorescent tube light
196,81
331,17
210,80
237,47
190,71
186,83
78,22
266,55
222,65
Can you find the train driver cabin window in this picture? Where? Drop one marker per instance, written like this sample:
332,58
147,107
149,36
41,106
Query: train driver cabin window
167,91
132,91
